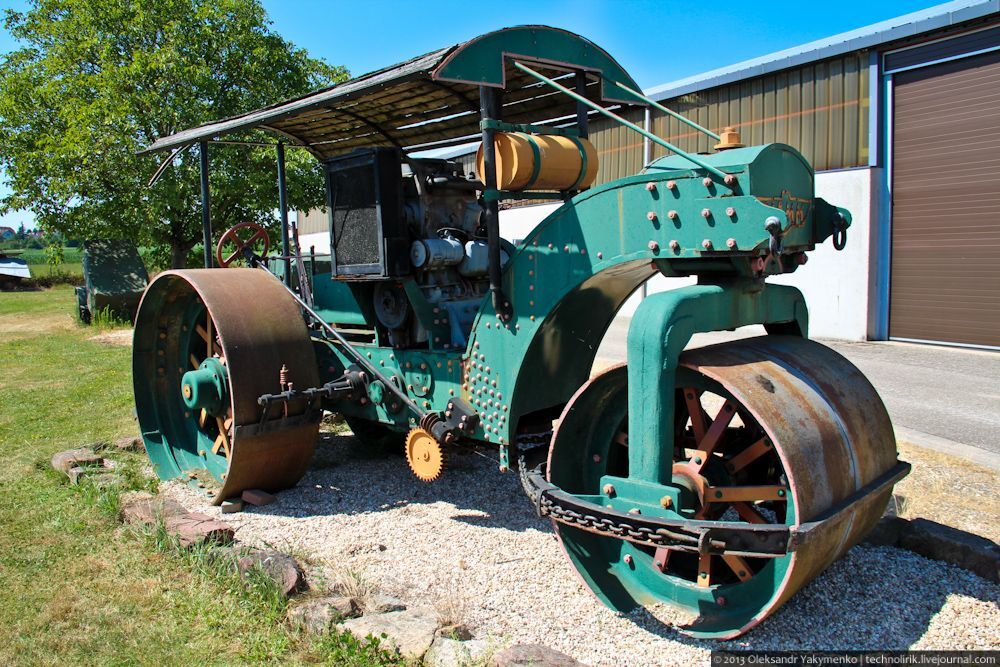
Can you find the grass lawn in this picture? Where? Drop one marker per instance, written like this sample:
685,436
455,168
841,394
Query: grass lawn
75,586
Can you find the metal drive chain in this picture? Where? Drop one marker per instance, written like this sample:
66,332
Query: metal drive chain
604,525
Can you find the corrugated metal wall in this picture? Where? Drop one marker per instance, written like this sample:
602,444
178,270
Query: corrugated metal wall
820,108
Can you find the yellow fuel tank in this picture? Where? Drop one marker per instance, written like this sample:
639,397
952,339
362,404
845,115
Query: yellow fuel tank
541,162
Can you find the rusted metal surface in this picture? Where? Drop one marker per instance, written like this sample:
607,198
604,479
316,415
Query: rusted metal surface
258,330
829,428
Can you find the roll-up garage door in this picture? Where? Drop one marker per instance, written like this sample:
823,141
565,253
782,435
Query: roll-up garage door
945,273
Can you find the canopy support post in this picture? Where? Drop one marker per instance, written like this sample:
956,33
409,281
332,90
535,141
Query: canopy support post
582,124
206,204
489,109
286,246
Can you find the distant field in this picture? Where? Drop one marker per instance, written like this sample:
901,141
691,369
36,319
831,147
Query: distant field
38,262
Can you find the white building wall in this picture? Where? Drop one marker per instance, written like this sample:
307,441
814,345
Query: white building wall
838,286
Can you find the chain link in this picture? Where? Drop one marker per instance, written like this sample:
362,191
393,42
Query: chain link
608,525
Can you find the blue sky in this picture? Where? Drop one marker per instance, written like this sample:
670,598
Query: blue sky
656,41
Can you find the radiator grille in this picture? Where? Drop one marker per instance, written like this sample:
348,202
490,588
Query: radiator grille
356,236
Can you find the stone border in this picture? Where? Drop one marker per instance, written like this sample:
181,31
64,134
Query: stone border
939,542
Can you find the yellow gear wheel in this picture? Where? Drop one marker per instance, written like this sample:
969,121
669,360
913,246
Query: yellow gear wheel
424,454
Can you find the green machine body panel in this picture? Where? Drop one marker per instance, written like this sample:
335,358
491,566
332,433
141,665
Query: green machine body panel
114,279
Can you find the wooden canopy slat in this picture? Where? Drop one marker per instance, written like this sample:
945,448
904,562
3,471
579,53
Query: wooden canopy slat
418,102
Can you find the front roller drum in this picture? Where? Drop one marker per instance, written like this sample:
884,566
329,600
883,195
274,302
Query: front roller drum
207,344
770,430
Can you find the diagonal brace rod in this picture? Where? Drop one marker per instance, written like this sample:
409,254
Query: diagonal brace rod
632,126
687,121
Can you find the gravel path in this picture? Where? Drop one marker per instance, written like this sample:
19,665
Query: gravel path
470,543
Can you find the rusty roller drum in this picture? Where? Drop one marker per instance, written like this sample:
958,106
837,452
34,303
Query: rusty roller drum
541,162
784,416
207,344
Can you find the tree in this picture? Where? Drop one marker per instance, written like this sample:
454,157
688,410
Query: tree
96,81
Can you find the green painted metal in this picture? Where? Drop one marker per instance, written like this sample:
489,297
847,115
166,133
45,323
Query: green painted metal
205,387
573,272
179,424
483,60
500,126
114,277
661,327
619,573
336,301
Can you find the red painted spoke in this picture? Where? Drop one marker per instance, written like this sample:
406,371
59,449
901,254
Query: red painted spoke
714,434
233,257
748,455
748,513
718,427
260,234
738,565
692,397
734,494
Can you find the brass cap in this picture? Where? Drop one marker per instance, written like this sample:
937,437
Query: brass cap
729,138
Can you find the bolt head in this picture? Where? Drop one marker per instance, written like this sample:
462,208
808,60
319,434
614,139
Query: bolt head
721,601
628,559
672,185
706,244
635,511
597,458
672,215
609,489
666,502
651,216
730,180
707,182
674,245
730,211
731,244
650,187
705,213
654,246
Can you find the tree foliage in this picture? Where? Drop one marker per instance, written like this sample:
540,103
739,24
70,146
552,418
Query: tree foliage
95,81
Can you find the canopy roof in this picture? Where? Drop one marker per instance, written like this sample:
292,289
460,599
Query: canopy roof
432,101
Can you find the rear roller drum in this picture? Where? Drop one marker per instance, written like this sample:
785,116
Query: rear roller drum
769,430
207,344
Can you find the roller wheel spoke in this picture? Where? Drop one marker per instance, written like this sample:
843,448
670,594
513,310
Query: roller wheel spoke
738,565
692,398
748,513
748,456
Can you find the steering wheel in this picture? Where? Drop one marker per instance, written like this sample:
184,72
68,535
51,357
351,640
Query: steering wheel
233,236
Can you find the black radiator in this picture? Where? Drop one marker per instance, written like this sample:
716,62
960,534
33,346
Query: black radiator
364,197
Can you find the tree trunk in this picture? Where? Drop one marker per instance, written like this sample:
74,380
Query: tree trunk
179,255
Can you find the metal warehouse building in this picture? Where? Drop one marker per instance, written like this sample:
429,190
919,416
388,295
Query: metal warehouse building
901,120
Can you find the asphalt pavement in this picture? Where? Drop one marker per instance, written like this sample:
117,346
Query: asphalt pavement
939,397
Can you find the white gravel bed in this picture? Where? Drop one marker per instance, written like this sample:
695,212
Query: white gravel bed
471,544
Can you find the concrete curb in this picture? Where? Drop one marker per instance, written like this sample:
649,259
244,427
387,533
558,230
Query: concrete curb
951,447
939,542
